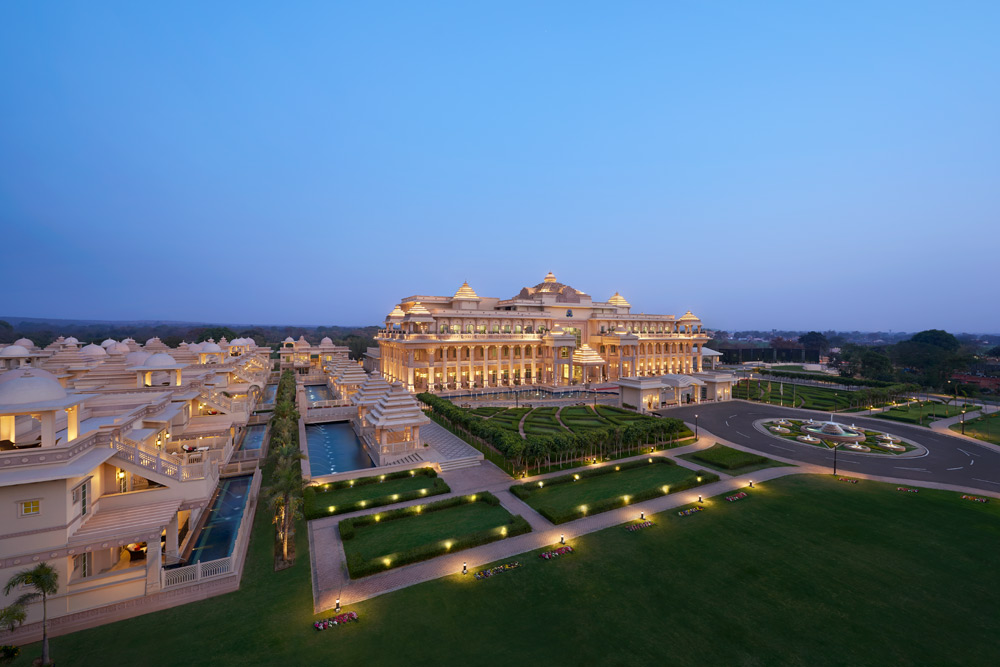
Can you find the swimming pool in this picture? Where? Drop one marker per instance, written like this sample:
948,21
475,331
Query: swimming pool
318,392
218,536
253,438
270,392
335,447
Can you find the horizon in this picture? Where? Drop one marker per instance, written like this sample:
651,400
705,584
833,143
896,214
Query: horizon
778,167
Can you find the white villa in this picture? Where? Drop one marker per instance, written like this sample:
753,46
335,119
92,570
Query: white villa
110,458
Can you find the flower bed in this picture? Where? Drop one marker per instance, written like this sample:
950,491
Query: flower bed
341,619
561,551
907,489
321,499
499,569
689,511
848,479
639,526
739,496
976,499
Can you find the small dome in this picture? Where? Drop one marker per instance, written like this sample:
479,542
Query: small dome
152,341
108,342
159,359
618,300
288,340
211,347
14,374
31,387
118,348
326,341
70,341
466,292
94,351
25,343
13,352
195,347
688,317
550,277
137,358
302,342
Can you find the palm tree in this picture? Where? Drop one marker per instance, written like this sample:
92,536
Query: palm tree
285,499
45,580
285,454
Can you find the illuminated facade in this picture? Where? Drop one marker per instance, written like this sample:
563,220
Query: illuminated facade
549,334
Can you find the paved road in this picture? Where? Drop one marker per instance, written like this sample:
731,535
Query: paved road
949,460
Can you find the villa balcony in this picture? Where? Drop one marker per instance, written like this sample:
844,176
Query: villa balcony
456,337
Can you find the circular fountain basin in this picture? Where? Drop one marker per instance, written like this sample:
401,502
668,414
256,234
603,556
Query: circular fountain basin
857,447
893,446
808,438
780,429
834,432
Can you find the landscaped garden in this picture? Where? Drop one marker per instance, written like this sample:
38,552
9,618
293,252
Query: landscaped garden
361,493
595,490
986,428
758,572
381,541
921,413
731,461
810,397
556,437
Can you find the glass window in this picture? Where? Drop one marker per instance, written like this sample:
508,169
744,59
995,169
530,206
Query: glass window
29,507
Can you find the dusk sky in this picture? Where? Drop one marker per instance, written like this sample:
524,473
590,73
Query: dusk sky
764,164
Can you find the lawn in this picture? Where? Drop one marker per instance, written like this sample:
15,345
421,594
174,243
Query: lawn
982,428
381,540
599,493
922,413
731,461
806,570
319,501
542,421
787,394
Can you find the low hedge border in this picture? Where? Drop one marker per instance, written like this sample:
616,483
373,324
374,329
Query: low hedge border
314,510
525,491
357,568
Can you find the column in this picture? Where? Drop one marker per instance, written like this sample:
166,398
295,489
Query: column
72,422
7,427
172,547
154,562
48,428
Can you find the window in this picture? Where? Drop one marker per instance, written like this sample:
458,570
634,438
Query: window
29,507
82,565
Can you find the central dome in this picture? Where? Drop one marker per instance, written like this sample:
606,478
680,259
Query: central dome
564,293
159,359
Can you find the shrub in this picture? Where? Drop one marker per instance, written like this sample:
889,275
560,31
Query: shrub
315,508
727,457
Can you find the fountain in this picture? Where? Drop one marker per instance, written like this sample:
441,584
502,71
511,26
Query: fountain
833,431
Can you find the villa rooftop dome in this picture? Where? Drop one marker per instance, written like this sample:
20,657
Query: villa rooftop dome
136,358
118,348
211,347
94,351
70,341
326,341
564,293
31,386
159,359
25,343
108,342
302,342
13,352
688,317
396,312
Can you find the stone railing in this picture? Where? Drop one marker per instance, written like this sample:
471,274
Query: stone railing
159,462
452,337
60,453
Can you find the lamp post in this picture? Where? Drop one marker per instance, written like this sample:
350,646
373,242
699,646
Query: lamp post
963,421
696,427
835,448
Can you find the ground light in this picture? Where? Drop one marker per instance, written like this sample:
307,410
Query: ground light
465,568
642,516
562,538
751,483
337,608
699,499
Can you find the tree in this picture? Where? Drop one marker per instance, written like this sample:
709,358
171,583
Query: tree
814,340
993,351
285,499
44,579
217,333
937,338
876,366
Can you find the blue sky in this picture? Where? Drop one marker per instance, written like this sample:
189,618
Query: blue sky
766,165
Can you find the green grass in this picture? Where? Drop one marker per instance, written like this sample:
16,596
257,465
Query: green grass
318,502
877,585
542,421
870,440
731,461
382,540
564,498
982,428
921,414
797,396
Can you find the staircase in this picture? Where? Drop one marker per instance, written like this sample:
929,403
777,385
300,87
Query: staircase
465,462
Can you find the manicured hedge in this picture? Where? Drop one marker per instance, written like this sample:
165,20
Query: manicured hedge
357,567
314,509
